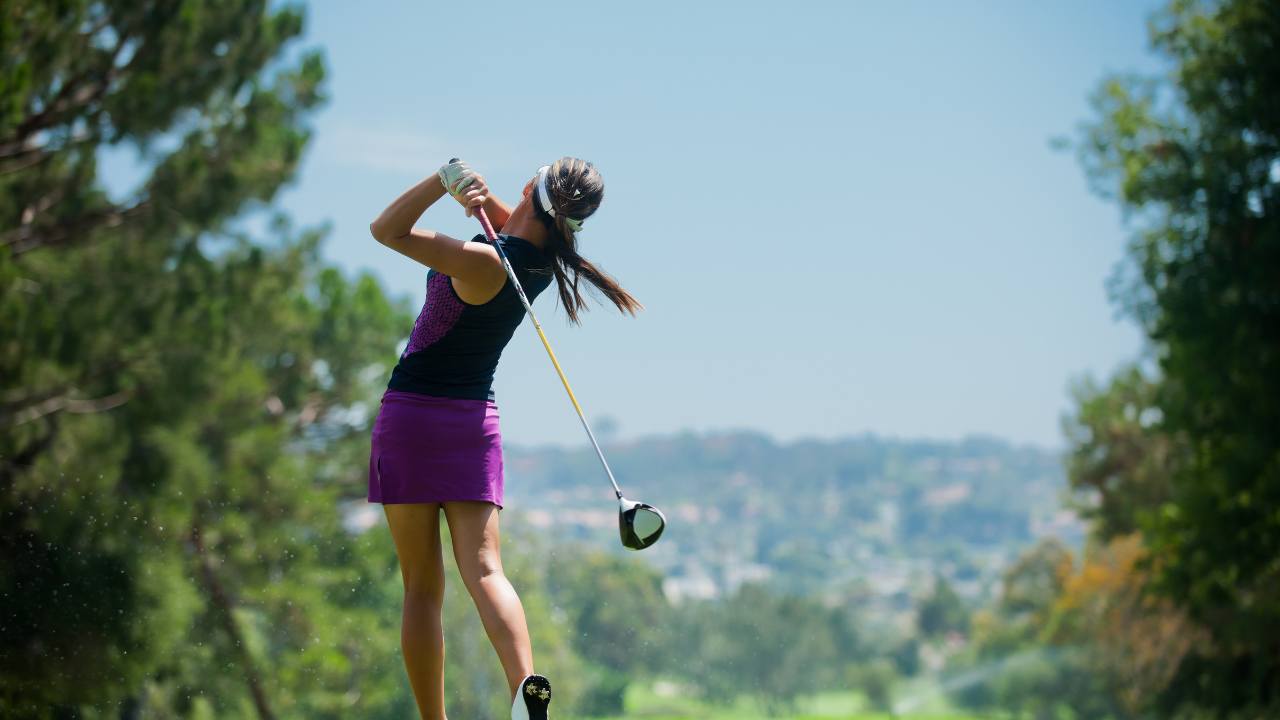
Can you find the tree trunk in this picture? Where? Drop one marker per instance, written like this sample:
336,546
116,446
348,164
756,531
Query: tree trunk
224,604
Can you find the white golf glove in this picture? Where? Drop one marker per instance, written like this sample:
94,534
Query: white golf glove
455,177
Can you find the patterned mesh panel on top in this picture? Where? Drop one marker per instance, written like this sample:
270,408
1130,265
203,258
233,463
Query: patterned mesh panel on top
439,313
454,348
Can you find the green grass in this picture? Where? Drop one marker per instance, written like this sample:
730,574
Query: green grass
645,703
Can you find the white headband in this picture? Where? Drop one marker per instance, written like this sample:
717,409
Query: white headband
544,193
544,198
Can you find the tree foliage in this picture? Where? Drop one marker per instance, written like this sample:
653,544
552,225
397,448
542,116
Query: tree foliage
765,645
1121,460
181,406
1194,158
1136,640
620,622
941,611
1022,661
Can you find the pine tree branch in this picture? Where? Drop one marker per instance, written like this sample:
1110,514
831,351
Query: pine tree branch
19,408
72,98
67,403
62,108
27,237
22,158
225,606
32,155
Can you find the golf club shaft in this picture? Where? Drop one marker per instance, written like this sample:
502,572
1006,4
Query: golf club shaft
511,273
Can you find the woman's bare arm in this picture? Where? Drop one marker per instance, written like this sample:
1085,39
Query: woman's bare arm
498,211
398,218
475,265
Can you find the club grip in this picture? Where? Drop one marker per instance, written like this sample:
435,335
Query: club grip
484,223
482,217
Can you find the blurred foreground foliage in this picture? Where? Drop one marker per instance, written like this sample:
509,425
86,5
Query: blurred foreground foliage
181,405
1174,608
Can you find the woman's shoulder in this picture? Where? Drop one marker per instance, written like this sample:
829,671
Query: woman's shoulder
516,241
528,254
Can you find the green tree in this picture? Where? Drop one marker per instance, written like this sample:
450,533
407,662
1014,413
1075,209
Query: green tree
942,611
1021,661
1120,461
1030,586
906,657
619,618
1194,158
875,680
763,645
181,407
474,682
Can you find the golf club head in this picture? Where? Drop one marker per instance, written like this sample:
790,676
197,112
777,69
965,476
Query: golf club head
640,524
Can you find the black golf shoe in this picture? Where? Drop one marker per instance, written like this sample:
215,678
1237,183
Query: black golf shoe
532,699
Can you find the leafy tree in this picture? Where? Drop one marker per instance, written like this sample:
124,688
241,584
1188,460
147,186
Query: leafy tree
1135,640
942,611
474,682
1035,581
759,644
619,618
182,407
1021,659
906,657
1194,158
875,679
1120,459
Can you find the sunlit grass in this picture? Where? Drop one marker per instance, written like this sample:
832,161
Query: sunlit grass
644,703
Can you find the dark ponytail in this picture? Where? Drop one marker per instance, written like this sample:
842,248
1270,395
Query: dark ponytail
576,190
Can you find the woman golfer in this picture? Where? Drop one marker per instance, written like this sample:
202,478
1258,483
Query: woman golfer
436,444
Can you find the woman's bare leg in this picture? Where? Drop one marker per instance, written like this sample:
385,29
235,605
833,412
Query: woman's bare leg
416,531
474,529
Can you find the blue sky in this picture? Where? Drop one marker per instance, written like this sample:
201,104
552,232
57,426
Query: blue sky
842,217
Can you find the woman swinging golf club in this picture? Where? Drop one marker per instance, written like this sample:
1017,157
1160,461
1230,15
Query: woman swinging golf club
436,444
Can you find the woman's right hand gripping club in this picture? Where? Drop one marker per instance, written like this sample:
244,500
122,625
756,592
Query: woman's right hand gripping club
464,184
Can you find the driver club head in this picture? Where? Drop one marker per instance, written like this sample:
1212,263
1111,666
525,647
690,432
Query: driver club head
640,524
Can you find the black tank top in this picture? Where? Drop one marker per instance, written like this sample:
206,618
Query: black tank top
454,349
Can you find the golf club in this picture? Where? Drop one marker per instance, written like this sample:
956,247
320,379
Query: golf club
640,524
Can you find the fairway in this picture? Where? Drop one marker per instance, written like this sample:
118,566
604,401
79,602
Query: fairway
665,703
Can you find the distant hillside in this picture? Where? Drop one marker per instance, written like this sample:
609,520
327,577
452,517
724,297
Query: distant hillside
867,515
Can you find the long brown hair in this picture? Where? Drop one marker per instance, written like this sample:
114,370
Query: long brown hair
576,190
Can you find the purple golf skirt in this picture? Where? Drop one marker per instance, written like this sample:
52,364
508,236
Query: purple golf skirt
429,449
